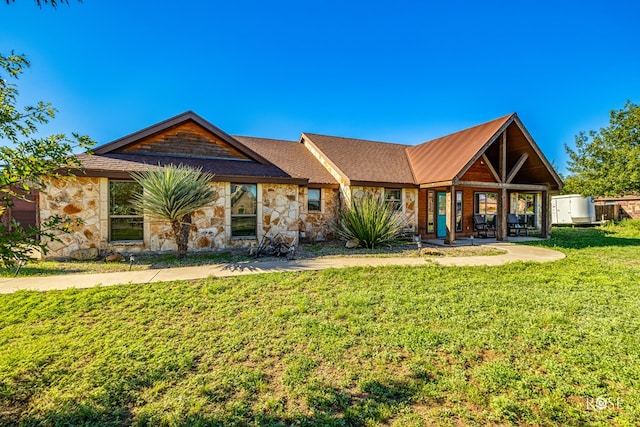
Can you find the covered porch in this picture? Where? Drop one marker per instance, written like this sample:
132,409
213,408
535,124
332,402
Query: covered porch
450,212
505,180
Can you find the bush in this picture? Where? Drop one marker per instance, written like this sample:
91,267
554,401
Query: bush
370,221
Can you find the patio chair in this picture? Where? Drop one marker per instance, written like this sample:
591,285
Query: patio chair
482,227
515,227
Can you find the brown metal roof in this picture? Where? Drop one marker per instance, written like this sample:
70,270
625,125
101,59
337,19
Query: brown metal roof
290,156
364,161
443,158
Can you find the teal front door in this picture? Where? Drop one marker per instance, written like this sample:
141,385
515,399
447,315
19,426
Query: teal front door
441,230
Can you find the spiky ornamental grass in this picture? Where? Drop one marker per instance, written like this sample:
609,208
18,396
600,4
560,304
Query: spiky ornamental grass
172,194
370,221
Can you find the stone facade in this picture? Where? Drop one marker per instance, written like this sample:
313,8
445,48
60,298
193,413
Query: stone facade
280,209
87,200
77,199
317,226
409,202
208,228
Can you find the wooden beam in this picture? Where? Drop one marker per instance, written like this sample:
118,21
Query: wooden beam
545,227
451,216
501,223
497,185
503,157
517,167
491,168
436,184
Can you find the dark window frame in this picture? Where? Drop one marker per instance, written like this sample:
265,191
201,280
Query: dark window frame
459,210
525,216
318,200
244,217
132,216
490,217
395,203
431,211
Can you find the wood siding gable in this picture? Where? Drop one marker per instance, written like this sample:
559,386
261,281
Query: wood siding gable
185,139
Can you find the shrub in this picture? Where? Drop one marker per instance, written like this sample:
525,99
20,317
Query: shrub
370,221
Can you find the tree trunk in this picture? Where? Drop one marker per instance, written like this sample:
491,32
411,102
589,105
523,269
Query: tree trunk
181,232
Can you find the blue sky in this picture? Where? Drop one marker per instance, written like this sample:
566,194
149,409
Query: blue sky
401,71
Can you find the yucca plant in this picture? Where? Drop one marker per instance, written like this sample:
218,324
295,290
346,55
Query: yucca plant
370,221
173,193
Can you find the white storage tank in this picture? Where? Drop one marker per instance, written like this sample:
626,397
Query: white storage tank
572,209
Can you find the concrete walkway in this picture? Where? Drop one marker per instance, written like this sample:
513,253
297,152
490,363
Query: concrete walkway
514,253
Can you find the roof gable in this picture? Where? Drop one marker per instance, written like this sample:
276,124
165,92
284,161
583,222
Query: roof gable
187,135
362,161
444,158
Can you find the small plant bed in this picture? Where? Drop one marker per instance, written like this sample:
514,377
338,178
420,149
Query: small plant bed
393,249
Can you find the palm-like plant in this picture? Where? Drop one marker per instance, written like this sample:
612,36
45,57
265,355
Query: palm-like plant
173,193
370,221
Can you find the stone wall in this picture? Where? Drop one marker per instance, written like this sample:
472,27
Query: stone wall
208,229
409,202
77,199
280,209
319,226
87,199
410,207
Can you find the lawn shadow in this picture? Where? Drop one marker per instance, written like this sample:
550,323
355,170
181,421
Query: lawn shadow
377,402
581,238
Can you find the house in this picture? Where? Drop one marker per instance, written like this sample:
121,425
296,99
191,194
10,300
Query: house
617,208
296,188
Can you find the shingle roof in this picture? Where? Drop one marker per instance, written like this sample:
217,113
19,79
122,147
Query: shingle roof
366,161
443,158
290,156
124,162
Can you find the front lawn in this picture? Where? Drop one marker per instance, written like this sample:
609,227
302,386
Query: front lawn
169,260
522,344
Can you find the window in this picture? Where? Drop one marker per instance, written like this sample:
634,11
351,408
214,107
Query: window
125,223
393,197
431,211
458,210
524,205
486,204
244,208
314,202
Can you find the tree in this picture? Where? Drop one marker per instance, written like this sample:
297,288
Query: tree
173,193
53,3
607,162
27,163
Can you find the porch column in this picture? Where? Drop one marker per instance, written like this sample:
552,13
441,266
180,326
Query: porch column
545,227
501,226
451,216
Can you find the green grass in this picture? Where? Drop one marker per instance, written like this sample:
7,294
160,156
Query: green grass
522,344
141,262
146,262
